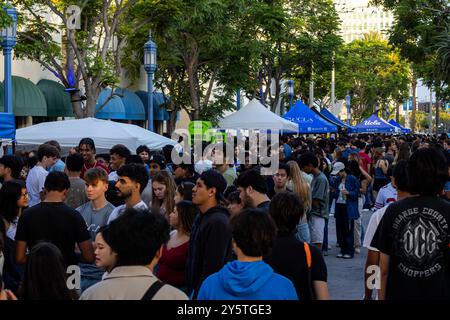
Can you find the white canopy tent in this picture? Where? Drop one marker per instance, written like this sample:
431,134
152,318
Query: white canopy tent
257,117
105,134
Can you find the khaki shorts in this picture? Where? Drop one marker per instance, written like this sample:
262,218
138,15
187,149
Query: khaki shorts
316,229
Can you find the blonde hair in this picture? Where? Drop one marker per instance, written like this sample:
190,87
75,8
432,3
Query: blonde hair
166,179
300,186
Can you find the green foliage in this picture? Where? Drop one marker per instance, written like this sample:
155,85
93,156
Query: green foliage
373,72
5,20
228,43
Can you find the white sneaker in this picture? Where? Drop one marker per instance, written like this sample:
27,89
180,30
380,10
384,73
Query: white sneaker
357,250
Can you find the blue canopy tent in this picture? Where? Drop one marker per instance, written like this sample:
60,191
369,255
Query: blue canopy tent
394,123
7,131
7,126
332,118
373,124
308,121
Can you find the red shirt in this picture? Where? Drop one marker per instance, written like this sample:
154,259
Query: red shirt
172,265
366,160
95,165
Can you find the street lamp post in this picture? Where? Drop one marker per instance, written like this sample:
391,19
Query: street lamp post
290,92
347,103
150,67
8,40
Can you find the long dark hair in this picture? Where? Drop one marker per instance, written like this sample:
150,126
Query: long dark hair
10,193
45,276
186,214
185,189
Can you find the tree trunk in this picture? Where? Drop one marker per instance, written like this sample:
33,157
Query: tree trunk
193,92
413,113
76,104
397,112
438,106
91,101
172,122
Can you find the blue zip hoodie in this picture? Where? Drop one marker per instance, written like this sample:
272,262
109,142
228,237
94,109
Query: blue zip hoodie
247,281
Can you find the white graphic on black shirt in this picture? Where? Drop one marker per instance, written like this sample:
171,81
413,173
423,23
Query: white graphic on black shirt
420,239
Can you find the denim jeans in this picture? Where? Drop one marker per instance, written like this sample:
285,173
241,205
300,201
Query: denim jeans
345,229
303,232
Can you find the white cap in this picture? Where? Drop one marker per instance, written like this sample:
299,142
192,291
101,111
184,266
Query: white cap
203,165
337,167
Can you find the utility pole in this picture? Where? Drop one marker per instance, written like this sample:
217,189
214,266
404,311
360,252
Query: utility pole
311,89
430,129
333,80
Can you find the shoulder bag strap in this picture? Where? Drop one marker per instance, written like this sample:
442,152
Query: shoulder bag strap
154,288
309,263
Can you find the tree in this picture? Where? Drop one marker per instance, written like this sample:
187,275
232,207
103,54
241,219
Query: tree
373,73
87,58
416,30
306,38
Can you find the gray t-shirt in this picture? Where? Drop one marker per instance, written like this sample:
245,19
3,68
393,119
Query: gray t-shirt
95,218
320,190
76,195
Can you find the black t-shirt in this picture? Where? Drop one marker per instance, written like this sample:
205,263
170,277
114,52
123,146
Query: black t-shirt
53,222
414,232
288,258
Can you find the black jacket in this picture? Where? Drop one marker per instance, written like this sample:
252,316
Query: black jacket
209,247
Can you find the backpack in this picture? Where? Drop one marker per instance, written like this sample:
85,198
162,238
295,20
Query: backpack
309,263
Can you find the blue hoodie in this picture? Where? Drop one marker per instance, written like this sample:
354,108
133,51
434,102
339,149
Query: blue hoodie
247,281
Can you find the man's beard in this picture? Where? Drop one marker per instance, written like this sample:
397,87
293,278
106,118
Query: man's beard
124,195
247,202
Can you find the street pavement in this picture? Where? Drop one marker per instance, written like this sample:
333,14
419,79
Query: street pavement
345,276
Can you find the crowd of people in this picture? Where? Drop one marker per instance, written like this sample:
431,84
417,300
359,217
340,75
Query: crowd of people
141,227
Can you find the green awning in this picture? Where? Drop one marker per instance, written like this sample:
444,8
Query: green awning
28,100
58,101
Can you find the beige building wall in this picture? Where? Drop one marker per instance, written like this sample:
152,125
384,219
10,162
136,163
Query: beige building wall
358,17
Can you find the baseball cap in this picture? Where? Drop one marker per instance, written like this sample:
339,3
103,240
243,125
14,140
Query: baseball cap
159,159
203,165
337,167
212,178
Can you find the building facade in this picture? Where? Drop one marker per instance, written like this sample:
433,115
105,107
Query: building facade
358,17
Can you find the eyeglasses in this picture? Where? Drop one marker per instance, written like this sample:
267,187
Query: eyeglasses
24,195
154,166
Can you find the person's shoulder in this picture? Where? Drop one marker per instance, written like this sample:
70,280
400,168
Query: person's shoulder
110,206
83,207
168,292
98,291
281,281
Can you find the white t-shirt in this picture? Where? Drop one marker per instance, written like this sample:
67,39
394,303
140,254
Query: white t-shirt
372,227
11,232
386,195
35,184
340,198
118,211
